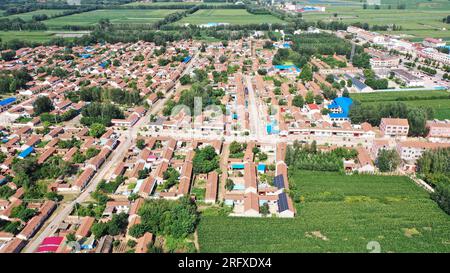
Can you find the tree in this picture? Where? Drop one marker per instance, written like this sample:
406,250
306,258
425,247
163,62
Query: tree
185,79
318,99
298,101
264,209
387,160
229,185
329,78
71,237
140,144
262,156
222,59
309,97
205,160
171,218
8,55
91,152
138,230
115,226
23,213
306,74
53,196
349,83
235,147
42,105
131,243
361,60
417,118
345,93
97,130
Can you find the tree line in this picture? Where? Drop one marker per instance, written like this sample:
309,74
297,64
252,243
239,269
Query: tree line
434,167
373,113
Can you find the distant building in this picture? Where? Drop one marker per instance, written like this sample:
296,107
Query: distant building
413,150
394,127
438,130
384,61
409,79
432,42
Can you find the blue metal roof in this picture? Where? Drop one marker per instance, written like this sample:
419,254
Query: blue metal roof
26,152
338,115
7,101
344,104
278,181
282,202
261,167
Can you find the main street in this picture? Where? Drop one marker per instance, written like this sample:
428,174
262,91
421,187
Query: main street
126,138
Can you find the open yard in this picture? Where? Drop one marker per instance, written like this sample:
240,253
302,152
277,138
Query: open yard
438,100
339,214
231,16
131,16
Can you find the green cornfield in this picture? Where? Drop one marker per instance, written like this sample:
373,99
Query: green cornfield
340,213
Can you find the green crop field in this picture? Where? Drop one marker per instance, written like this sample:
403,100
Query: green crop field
416,23
36,36
438,100
30,36
339,214
173,3
29,15
122,16
231,16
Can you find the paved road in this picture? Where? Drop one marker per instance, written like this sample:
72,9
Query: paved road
126,138
256,120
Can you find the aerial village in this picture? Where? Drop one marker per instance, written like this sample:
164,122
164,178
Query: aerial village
58,153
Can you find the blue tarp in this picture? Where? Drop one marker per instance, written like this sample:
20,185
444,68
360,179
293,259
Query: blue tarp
26,152
7,101
286,67
262,167
237,166
187,59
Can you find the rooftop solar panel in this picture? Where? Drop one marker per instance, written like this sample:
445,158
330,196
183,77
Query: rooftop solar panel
282,202
278,181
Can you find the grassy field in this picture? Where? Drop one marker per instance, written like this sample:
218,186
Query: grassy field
438,100
231,16
172,3
115,16
416,23
31,36
34,36
339,214
29,15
